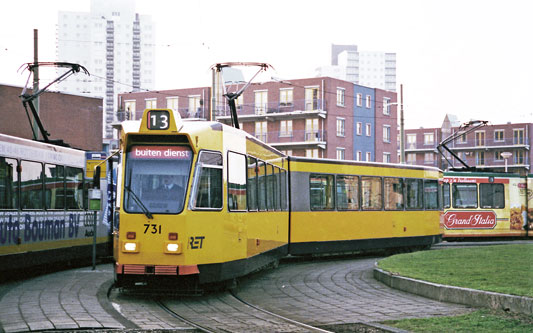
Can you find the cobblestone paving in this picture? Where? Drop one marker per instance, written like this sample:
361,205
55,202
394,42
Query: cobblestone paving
62,300
326,292
335,292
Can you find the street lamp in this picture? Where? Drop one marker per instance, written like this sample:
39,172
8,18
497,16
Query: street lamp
505,156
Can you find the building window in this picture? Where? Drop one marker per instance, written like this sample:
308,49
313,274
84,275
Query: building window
359,156
312,153
340,96
359,128
429,138
287,152
519,157
151,103
411,158
130,108
340,153
480,138
238,103
480,158
462,139
499,135
368,101
386,133
172,103
498,155
359,99
311,130
285,97
368,156
518,136
261,102
429,158
311,99
195,107
261,130
386,157
340,126
411,141
386,105
368,129
285,128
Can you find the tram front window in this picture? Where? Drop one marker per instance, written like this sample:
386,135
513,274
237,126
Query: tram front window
156,179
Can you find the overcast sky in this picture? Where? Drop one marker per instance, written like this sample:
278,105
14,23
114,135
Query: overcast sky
471,58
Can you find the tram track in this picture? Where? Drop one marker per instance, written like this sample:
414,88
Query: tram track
226,312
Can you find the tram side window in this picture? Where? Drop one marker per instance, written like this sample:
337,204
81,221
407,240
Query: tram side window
272,188
54,184
371,196
261,174
464,195
277,191
347,193
393,193
208,191
415,193
236,181
251,185
492,195
321,189
31,185
74,192
8,183
431,194
446,195
283,181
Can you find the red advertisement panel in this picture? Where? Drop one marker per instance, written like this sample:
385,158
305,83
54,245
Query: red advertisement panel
160,152
470,220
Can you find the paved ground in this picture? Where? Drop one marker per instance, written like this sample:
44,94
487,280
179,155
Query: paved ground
337,291
317,293
62,300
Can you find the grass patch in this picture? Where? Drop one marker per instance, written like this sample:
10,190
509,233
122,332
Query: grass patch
478,321
506,269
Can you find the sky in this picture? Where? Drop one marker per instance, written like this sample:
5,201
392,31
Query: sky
469,58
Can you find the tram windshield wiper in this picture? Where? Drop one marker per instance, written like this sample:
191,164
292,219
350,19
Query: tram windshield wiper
139,202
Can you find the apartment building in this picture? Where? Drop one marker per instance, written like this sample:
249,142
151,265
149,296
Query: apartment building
484,148
313,117
367,68
115,44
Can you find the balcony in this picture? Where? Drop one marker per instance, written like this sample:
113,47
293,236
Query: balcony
300,139
492,163
472,144
298,108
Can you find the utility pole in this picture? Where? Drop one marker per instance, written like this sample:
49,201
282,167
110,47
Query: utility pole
402,134
36,80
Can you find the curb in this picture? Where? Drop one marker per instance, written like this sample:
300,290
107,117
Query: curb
465,296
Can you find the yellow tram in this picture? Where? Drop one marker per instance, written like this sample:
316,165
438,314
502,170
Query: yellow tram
203,202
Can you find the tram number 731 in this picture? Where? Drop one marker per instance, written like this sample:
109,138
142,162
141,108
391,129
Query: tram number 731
152,228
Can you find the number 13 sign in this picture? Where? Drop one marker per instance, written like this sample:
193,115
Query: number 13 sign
158,119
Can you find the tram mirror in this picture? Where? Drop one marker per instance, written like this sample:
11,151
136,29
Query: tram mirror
96,177
95,199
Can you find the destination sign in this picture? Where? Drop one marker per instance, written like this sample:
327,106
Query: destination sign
160,152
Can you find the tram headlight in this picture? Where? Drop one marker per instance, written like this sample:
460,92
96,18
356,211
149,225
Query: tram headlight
130,247
172,248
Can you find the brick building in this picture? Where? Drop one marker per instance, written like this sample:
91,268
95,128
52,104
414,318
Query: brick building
77,120
314,117
481,148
